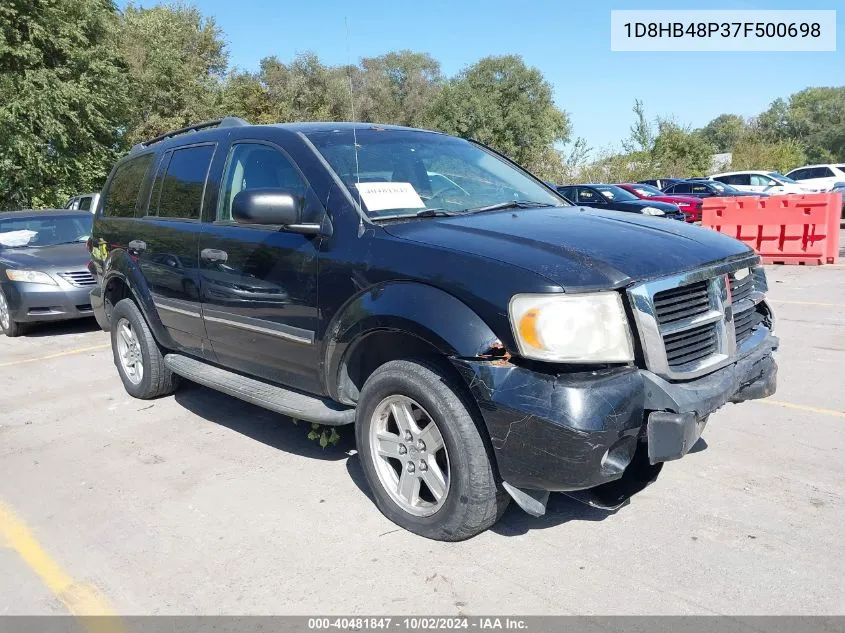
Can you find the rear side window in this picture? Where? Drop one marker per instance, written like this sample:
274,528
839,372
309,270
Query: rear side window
85,203
121,198
183,182
682,187
798,174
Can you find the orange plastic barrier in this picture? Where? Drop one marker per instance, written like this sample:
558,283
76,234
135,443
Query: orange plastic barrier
790,229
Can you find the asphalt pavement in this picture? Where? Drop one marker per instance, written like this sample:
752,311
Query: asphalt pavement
200,504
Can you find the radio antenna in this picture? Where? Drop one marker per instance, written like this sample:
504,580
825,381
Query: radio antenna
354,121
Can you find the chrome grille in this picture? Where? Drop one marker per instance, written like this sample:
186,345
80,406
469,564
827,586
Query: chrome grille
694,323
689,346
741,288
79,278
744,324
681,303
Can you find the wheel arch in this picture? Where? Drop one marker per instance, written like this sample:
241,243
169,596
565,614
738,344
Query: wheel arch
122,279
399,320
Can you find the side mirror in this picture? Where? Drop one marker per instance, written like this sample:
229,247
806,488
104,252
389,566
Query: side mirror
274,207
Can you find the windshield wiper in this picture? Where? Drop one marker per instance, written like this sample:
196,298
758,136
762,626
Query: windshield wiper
511,204
422,213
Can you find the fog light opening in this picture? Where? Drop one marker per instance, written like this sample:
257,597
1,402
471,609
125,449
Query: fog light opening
618,456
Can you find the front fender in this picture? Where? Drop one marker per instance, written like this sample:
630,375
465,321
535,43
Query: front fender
122,265
428,313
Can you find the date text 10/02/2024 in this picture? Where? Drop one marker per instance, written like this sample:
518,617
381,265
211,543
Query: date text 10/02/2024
418,623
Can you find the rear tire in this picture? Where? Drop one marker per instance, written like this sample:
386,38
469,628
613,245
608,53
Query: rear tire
137,356
410,394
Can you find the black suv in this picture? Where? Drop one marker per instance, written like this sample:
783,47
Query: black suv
487,339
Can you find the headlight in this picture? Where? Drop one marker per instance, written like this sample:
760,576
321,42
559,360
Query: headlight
586,328
652,211
30,276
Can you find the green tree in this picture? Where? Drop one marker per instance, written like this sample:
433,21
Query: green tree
724,132
642,136
244,95
508,105
814,117
399,88
64,96
305,89
755,152
176,60
680,152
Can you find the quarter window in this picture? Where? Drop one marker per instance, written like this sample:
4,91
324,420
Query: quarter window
762,181
183,182
121,198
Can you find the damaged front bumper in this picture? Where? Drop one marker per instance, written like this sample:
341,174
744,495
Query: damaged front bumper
571,432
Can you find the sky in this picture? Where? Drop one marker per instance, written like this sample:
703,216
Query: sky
569,42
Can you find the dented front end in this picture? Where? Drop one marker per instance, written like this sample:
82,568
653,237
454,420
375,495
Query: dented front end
586,430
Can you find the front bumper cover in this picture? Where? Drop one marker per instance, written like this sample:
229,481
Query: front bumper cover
29,303
570,432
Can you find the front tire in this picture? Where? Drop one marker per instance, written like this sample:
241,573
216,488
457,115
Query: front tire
423,453
10,328
137,356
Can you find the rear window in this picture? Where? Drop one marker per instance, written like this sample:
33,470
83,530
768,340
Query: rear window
121,197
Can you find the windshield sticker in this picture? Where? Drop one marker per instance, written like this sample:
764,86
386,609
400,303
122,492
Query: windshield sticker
380,196
17,238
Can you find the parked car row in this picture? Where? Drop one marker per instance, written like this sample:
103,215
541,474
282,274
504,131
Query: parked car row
619,198
488,341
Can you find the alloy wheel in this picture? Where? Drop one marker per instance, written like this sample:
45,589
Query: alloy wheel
129,351
410,456
5,317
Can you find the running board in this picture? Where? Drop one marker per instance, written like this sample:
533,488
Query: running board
293,403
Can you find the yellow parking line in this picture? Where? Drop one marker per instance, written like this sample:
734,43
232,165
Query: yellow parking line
808,303
803,407
70,352
80,599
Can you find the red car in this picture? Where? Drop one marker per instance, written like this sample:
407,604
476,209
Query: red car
690,205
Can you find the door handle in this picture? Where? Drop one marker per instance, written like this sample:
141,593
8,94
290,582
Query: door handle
137,245
213,255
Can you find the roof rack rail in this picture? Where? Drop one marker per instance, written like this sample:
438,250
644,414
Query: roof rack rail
229,121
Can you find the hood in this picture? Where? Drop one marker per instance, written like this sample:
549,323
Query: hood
578,248
59,258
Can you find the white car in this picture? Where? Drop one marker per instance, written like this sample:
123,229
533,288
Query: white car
84,202
770,182
821,177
